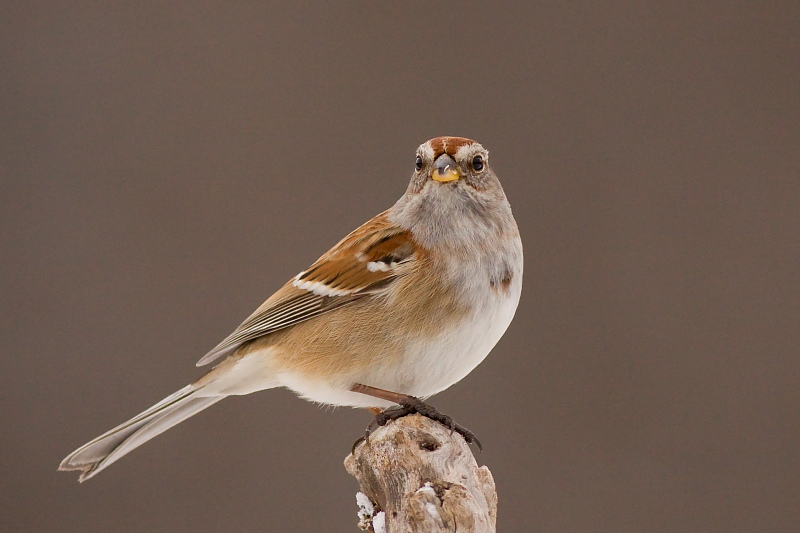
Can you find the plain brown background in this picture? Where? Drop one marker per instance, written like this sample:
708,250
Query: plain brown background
166,166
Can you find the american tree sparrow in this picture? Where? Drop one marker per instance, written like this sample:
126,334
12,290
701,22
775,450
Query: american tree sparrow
400,309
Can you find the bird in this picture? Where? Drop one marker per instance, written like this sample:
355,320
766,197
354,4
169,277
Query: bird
403,307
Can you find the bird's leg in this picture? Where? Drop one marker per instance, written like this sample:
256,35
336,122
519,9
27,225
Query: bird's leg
407,405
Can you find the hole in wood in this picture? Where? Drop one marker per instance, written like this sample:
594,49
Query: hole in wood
429,443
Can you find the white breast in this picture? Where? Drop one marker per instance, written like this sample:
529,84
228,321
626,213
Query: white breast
432,366
428,367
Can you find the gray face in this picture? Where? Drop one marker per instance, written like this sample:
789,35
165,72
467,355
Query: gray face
438,161
453,197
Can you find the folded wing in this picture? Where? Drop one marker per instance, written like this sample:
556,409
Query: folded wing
362,264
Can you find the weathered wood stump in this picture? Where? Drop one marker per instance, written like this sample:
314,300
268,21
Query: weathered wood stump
423,479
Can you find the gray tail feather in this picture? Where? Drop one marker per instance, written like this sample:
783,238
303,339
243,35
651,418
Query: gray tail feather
99,453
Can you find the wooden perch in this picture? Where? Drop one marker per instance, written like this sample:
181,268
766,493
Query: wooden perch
423,479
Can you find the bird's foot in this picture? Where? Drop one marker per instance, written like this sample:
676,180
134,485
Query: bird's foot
409,405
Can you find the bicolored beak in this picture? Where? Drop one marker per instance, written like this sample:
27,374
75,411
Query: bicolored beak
444,169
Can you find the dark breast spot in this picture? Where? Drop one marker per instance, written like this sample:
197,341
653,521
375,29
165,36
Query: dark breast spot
502,282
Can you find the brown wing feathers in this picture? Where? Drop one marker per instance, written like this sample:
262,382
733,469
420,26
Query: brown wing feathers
362,259
361,264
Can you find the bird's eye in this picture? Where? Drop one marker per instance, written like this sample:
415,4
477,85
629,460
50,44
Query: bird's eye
477,163
418,164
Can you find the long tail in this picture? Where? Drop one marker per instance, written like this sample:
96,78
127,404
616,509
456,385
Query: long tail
96,455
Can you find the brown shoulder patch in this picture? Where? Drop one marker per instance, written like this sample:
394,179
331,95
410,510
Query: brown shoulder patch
448,145
363,260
